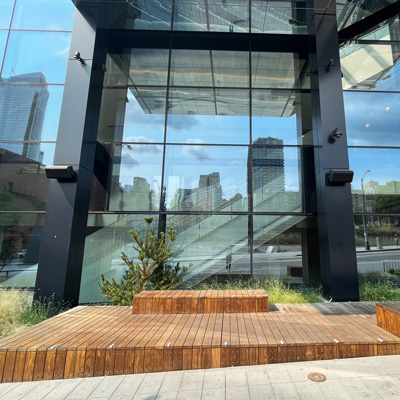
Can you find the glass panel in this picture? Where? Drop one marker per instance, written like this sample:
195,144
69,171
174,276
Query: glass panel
20,236
208,116
191,16
277,70
29,112
229,16
370,67
277,17
37,52
350,12
44,15
376,182
372,119
6,8
211,244
206,178
149,15
381,233
23,180
191,68
283,115
3,41
136,177
106,238
132,115
277,244
276,177
149,67
231,68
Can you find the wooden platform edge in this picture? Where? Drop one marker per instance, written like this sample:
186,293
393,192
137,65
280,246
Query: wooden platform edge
22,366
388,318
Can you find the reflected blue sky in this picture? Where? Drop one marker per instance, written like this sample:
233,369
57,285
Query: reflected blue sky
384,165
3,40
6,7
55,15
45,52
372,119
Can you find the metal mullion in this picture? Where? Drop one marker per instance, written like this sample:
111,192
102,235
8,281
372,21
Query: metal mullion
163,193
8,37
250,161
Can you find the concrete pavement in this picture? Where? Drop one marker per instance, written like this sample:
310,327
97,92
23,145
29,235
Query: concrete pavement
357,378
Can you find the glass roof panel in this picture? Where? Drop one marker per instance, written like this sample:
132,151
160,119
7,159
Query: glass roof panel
230,68
276,70
350,11
371,67
149,67
191,68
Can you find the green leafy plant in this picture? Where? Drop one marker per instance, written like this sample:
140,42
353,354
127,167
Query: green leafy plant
153,252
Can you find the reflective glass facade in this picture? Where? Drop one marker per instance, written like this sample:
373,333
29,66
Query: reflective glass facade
213,136
34,45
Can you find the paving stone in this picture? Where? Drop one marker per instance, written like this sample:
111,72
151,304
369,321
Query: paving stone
213,394
333,390
85,388
6,387
151,383
192,380
214,379
166,396
42,390
261,392
237,393
189,395
129,385
309,390
285,391
107,387
257,375
65,387
386,388
235,377
172,382
298,371
20,391
278,374
357,389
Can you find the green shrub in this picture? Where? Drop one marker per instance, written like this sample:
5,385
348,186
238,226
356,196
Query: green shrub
17,310
378,288
391,271
397,272
278,291
153,252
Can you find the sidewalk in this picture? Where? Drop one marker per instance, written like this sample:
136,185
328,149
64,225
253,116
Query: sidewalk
356,378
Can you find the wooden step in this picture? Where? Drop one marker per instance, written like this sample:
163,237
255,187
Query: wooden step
199,301
388,317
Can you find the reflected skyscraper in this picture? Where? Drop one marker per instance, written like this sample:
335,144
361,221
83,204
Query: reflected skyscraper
23,102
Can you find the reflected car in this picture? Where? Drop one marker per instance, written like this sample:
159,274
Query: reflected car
20,253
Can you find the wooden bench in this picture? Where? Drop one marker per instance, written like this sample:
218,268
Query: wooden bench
199,301
388,317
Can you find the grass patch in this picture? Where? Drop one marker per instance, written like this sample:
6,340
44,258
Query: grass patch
17,310
378,288
278,291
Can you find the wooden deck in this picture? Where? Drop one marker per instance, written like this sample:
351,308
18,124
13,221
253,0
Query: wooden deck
200,301
98,341
388,317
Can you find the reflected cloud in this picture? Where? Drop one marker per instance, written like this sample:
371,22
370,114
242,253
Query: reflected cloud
198,152
182,122
237,163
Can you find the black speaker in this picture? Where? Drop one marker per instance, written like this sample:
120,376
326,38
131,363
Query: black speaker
63,173
339,176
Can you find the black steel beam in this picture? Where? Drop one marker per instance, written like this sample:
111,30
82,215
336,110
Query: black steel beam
357,29
122,39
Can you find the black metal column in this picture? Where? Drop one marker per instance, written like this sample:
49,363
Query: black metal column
334,204
62,246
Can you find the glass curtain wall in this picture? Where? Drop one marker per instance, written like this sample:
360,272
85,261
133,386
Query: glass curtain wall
371,83
210,143
34,46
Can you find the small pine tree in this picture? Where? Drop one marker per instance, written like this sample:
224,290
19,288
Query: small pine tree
152,253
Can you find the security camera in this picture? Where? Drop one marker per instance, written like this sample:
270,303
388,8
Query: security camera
336,133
